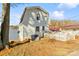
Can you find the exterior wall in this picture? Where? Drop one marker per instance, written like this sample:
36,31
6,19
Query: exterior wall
16,34
28,31
30,22
21,32
13,34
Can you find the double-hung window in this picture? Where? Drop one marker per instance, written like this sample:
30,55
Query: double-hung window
38,16
37,28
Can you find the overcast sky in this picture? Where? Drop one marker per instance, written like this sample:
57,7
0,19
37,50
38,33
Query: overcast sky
56,11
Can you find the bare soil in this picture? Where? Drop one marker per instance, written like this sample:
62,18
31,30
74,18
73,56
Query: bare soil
43,47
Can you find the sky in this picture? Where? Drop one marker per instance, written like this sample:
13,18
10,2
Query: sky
58,11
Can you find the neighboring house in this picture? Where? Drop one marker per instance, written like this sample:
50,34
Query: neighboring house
65,27
71,26
34,22
54,28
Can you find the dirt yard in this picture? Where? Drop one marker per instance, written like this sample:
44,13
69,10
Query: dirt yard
44,47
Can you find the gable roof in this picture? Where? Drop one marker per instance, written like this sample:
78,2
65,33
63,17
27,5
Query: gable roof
30,8
23,15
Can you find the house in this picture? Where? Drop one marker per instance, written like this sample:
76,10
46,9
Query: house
33,23
71,26
54,28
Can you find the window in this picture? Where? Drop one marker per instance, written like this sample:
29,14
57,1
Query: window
18,32
38,16
43,28
37,28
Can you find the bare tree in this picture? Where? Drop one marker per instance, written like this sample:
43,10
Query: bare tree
5,25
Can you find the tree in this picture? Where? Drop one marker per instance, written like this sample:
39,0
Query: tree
5,25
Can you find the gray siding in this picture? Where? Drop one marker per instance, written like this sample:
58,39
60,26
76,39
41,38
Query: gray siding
31,22
13,34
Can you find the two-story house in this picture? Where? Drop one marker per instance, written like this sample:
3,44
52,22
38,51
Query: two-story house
34,22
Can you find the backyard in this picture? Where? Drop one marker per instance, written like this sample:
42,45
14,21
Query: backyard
60,29
44,47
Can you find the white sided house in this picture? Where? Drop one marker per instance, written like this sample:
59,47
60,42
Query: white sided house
34,23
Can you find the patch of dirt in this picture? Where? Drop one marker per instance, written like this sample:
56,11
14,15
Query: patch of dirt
43,47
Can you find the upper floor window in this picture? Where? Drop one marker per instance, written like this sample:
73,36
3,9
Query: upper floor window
38,16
